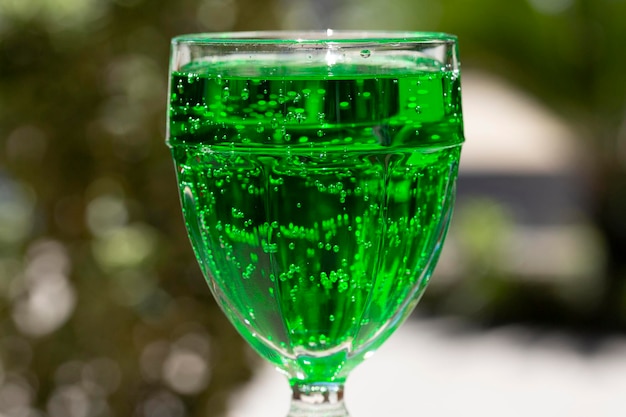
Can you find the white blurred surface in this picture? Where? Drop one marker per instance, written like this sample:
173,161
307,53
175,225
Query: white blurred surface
507,130
438,368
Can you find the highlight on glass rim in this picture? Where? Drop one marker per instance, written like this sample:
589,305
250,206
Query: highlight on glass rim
317,177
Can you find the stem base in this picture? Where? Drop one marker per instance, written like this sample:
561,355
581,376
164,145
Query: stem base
318,400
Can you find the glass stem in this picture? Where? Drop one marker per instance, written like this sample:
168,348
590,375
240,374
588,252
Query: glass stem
317,400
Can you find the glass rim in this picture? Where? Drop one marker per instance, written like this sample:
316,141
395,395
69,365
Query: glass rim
315,37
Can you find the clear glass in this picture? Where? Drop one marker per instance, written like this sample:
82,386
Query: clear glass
317,175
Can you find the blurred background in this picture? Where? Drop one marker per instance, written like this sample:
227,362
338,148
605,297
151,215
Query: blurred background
103,311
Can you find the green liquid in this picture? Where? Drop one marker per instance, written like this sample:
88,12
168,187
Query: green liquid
316,205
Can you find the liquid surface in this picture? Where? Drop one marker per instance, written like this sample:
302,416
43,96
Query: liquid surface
316,205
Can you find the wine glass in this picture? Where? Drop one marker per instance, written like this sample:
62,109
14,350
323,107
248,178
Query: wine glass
317,177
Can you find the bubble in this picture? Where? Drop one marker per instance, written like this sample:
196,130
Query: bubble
365,53
269,248
260,128
247,274
245,94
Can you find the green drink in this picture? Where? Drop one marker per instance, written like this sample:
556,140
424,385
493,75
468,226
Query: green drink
316,195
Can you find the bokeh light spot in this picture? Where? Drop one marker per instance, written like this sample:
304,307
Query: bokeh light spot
69,401
106,213
185,371
125,247
163,404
